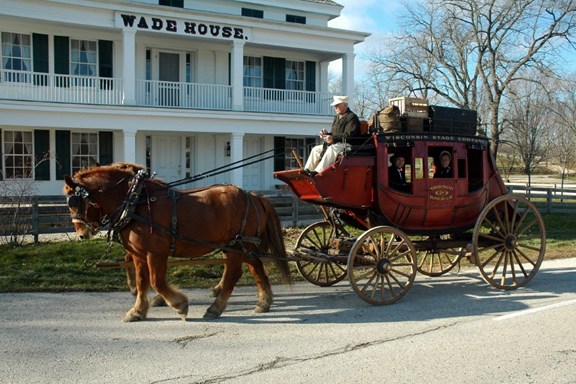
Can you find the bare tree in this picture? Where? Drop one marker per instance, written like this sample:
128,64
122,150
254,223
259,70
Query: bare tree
529,121
468,53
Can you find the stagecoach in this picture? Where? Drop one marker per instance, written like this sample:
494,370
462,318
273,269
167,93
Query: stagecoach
380,236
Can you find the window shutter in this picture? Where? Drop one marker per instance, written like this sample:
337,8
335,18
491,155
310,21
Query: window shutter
40,53
105,144
279,153
41,155
274,72
62,154
311,76
105,63
61,55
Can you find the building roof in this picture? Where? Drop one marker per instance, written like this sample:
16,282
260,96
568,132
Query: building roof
327,2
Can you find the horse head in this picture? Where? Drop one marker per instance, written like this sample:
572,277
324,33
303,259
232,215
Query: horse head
95,193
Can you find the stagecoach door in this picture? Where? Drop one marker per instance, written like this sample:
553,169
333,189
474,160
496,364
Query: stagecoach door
167,157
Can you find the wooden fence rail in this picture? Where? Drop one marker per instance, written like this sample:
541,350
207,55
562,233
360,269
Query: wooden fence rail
38,215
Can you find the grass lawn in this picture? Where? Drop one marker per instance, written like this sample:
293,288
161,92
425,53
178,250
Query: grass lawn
67,265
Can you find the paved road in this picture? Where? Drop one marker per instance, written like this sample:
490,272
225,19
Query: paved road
451,329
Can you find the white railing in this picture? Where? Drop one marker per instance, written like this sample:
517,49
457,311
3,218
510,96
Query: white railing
33,86
286,101
153,93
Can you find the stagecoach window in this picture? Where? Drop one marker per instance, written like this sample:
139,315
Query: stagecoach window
84,150
18,155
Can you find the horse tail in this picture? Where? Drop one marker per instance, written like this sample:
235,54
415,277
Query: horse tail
273,240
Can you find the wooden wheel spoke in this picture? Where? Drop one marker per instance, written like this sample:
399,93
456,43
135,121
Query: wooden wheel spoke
398,272
528,259
519,263
522,230
503,227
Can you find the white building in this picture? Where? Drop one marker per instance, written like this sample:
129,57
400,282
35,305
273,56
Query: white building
182,86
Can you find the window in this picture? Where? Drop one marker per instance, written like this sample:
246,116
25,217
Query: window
296,145
84,150
296,19
295,75
83,61
252,71
18,154
172,3
253,13
16,57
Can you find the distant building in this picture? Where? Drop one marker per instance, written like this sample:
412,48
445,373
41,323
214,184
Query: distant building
181,86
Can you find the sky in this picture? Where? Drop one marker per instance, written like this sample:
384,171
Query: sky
373,16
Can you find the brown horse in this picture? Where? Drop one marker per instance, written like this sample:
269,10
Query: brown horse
154,222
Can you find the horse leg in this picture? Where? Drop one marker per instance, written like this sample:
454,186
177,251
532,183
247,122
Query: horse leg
173,297
232,272
265,299
140,309
131,275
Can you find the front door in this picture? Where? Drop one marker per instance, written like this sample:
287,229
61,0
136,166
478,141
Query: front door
169,76
167,158
252,174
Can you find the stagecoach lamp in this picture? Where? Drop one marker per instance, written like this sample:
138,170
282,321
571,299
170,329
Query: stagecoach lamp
227,149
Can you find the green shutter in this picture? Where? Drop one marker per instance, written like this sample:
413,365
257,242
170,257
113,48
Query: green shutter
63,158
268,72
40,54
280,73
105,63
105,146
61,55
311,76
279,153
41,155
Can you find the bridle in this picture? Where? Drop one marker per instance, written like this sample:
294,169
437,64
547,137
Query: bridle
80,200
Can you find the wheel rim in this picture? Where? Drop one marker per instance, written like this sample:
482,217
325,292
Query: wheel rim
437,262
509,242
317,237
382,265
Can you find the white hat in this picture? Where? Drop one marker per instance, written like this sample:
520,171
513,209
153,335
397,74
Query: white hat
339,100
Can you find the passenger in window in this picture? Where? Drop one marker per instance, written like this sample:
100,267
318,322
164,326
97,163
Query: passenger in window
396,175
346,124
445,170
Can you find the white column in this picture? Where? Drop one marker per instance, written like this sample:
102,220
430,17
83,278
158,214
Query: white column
129,66
237,75
348,77
130,145
324,76
237,154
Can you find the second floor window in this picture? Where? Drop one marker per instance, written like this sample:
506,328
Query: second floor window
295,75
83,58
252,71
16,56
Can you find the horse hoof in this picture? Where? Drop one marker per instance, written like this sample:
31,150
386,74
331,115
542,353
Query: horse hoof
132,318
158,301
260,309
211,314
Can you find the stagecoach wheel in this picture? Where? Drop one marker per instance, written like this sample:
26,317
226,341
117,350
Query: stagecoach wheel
382,265
322,270
437,262
509,242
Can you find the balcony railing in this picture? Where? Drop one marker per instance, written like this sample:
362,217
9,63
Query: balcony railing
22,85
32,86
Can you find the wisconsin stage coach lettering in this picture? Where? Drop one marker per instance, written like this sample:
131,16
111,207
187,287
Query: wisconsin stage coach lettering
181,27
